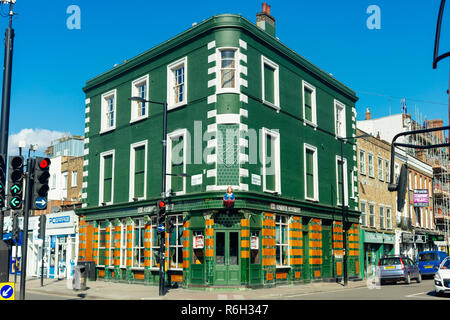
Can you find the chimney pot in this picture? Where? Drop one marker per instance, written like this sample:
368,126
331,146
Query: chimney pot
368,114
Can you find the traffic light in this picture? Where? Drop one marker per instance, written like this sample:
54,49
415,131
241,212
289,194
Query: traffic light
41,174
2,179
15,182
41,230
170,226
161,212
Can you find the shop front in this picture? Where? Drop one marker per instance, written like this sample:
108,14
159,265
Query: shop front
60,245
376,244
219,248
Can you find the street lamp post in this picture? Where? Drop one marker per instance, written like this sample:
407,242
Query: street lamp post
343,207
162,288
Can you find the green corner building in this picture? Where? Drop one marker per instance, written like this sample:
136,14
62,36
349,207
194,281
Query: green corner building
244,111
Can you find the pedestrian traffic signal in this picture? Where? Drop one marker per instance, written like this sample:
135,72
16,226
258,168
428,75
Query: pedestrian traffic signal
41,174
161,212
15,182
41,229
2,179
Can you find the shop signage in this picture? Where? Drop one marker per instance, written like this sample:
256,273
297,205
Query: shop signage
420,198
407,238
199,242
373,237
254,243
421,238
60,220
256,179
281,207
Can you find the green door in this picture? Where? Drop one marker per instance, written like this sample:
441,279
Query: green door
256,274
228,269
198,261
306,269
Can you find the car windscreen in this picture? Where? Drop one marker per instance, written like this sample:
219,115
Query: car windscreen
446,264
390,261
428,256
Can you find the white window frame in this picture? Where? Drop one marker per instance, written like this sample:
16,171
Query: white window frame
154,246
371,205
102,175
139,226
177,226
133,146
370,155
388,218
65,180
123,244
345,182
171,80
136,93
105,127
362,170
112,244
237,71
74,179
387,171
276,158
276,82
99,241
364,223
170,137
382,217
380,168
316,171
281,245
339,108
313,102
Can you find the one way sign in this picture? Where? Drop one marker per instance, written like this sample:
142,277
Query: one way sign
40,203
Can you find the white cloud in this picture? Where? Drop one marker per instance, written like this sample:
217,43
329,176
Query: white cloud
40,137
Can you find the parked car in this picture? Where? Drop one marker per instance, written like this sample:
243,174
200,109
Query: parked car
429,261
442,277
398,268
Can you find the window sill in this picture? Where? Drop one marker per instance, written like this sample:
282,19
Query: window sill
229,90
283,267
176,105
310,123
134,120
270,104
102,131
312,199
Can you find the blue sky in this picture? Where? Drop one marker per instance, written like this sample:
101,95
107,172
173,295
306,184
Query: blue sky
52,63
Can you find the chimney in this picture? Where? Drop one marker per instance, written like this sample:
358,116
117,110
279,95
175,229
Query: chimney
265,21
368,114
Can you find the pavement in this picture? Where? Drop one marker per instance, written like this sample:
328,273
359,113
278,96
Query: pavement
103,290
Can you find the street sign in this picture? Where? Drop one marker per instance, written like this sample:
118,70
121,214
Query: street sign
7,291
40,203
161,228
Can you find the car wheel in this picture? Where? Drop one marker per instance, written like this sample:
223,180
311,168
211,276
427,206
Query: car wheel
408,279
419,278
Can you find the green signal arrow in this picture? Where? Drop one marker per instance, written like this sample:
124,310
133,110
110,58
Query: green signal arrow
15,202
15,189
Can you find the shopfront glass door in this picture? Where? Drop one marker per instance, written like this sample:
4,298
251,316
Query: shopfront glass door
227,258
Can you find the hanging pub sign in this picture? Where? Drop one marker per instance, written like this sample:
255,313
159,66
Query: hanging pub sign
228,198
420,197
254,243
198,242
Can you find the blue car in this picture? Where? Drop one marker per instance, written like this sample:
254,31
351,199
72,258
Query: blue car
429,261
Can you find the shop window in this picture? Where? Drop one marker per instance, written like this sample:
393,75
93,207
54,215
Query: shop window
123,244
282,240
138,243
155,245
101,242
176,243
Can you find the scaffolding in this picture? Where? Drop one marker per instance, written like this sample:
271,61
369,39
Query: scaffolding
439,159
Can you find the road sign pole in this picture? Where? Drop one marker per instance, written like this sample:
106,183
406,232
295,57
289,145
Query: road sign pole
26,212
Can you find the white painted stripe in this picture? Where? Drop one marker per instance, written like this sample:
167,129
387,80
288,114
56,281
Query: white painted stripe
212,99
84,205
243,57
87,120
86,141
86,151
211,44
243,142
212,158
87,110
87,101
243,172
85,173
243,187
211,70
243,127
243,82
212,143
211,83
243,98
211,173
243,158
85,163
212,58
244,70
243,113
243,44
86,130
85,184
212,113
212,128
84,195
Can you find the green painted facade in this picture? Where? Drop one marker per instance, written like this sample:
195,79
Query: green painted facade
251,122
